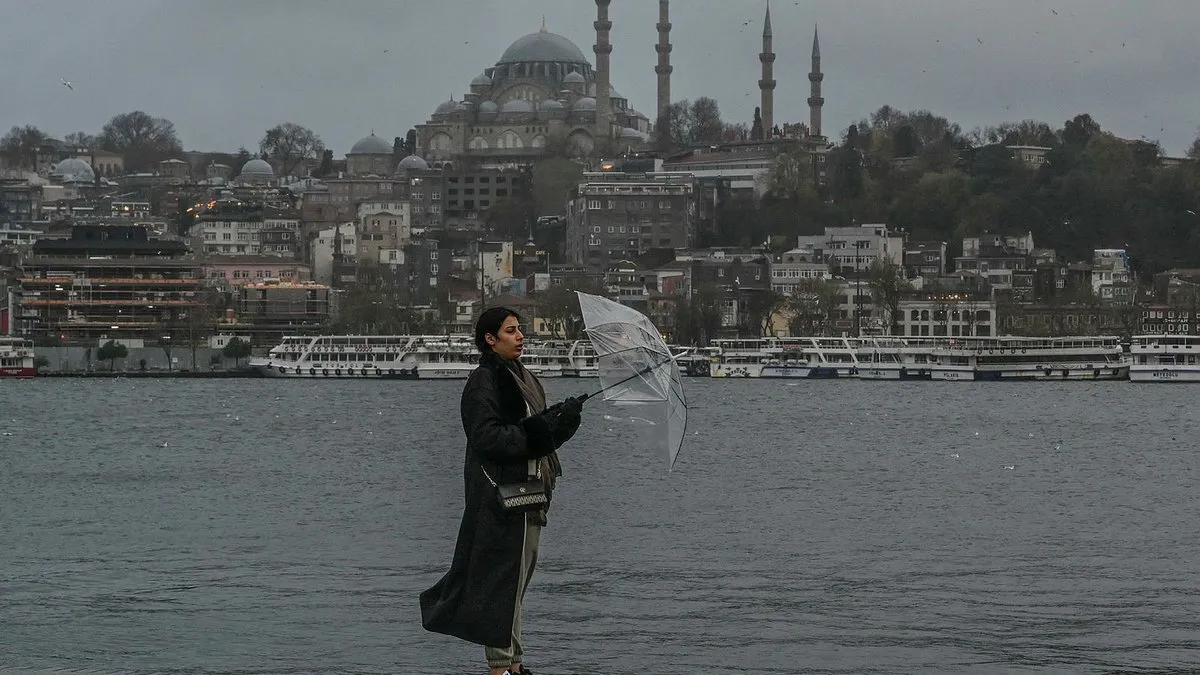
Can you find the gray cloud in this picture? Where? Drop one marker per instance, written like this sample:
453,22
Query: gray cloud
226,70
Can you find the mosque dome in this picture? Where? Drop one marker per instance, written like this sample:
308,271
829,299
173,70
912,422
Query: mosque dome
74,170
412,163
446,107
550,104
516,106
488,110
573,77
631,134
257,168
585,103
481,80
542,46
371,145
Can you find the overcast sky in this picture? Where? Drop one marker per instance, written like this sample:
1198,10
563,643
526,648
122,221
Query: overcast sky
226,70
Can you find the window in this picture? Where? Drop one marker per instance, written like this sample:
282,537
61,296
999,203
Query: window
433,255
593,203
435,195
433,269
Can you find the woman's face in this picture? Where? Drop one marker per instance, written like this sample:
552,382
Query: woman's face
507,344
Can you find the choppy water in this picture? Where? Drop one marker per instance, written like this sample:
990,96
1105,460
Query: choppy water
819,527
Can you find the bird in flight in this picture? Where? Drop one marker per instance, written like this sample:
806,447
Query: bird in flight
68,85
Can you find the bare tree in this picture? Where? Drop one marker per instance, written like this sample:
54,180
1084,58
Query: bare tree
142,139
813,305
886,281
20,145
80,139
289,145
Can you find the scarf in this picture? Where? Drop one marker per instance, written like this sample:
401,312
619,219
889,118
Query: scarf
535,398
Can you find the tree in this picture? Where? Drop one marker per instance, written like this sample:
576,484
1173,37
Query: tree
111,351
552,182
142,139
80,139
813,306
410,142
1193,151
698,318
243,156
678,123
201,319
399,152
558,307
20,145
236,349
325,168
288,146
707,126
759,308
886,281
906,143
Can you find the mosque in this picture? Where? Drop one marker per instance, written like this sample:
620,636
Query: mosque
544,97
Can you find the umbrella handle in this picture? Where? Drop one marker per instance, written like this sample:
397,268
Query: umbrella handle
639,373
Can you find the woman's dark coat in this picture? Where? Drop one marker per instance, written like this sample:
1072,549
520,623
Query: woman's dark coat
476,599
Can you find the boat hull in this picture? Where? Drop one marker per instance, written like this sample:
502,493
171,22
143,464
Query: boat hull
18,371
1164,374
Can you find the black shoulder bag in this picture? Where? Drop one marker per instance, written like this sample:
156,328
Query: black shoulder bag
528,495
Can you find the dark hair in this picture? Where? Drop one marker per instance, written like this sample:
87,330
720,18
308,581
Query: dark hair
490,322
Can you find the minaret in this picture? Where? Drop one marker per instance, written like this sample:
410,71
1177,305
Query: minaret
663,69
814,83
603,87
766,85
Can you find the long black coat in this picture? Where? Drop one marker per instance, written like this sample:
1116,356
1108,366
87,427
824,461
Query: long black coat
476,599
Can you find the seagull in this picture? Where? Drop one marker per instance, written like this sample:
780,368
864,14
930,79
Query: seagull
68,85
1054,12
1190,211
979,40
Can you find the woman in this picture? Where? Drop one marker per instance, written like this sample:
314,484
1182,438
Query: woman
511,438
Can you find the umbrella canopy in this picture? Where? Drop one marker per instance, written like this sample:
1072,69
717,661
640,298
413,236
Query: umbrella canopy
636,367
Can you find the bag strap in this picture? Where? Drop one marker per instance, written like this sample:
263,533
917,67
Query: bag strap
489,478
537,474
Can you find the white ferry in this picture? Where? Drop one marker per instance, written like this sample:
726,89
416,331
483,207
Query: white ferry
425,357
789,357
1028,358
895,358
16,357
560,358
370,356
1165,358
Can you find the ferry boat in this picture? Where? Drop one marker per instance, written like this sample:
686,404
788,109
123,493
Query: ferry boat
895,358
560,358
370,356
1029,358
16,357
1164,358
425,357
788,357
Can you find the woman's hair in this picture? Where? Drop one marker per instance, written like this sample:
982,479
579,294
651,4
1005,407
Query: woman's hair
490,322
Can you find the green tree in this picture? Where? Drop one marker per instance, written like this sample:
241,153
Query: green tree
236,349
111,351
142,139
758,312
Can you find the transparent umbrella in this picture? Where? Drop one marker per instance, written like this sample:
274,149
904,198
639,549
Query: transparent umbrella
636,368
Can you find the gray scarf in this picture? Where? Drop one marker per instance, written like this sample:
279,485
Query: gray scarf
535,397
